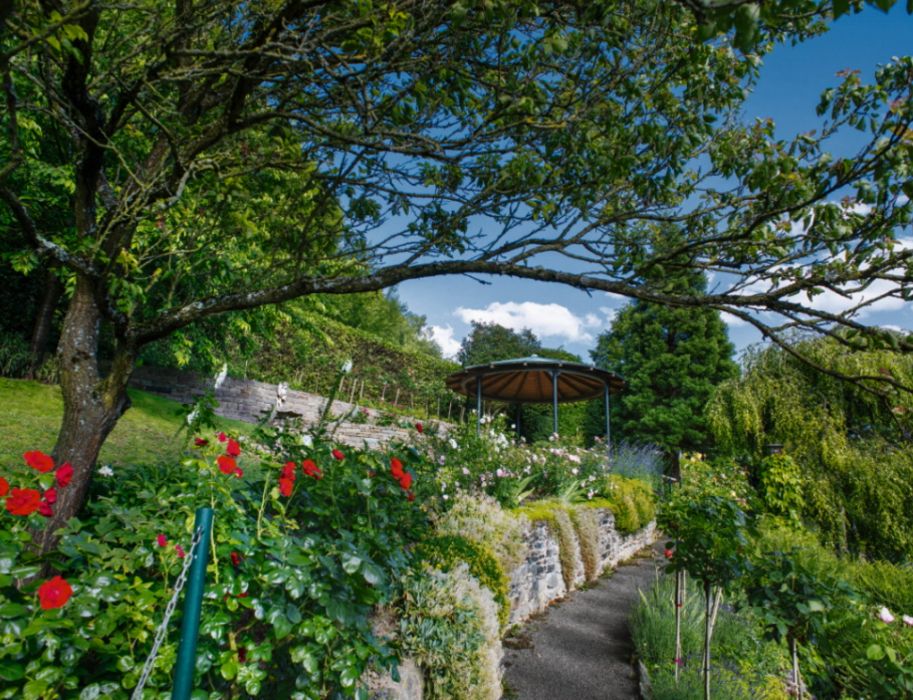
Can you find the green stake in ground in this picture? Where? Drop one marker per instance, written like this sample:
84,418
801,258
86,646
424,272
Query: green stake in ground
190,626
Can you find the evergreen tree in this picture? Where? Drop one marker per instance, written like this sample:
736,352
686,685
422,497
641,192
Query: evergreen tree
671,358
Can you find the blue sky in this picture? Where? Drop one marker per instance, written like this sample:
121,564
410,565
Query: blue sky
791,81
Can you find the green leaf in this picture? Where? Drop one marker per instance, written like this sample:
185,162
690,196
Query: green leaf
841,7
874,652
350,562
11,671
229,669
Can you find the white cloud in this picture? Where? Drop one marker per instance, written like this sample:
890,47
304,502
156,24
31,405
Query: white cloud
443,336
733,321
545,320
609,314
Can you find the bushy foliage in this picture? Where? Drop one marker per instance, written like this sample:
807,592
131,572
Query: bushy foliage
780,486
450,626
850,441
448,551
481,519
301,557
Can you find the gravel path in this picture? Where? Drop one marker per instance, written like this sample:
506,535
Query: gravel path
580,649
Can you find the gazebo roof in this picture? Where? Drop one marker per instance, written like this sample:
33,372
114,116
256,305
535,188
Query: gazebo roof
529,380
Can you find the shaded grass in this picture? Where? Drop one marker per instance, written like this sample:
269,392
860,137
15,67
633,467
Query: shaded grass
30,414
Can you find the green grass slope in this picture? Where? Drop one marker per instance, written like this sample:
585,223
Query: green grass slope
147,432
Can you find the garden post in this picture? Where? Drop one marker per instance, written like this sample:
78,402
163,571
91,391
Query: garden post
708,602
608,423
193,600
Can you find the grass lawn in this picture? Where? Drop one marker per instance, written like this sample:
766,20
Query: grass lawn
147,432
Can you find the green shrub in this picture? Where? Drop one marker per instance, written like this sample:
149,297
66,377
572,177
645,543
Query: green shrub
631,501
481,519
449,625
883,583
780,486
291,585
448,551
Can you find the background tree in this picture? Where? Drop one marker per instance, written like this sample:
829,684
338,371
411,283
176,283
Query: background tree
854,447
671,358
218,157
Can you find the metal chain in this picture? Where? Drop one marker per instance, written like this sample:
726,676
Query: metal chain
169,611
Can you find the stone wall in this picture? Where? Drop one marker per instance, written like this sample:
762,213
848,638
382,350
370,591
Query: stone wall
248,400
538,582
534,585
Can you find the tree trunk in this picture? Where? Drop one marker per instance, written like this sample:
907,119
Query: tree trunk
91,404
42,328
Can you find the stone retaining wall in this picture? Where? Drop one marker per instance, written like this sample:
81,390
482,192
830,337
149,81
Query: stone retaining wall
248,400
538,582
534,585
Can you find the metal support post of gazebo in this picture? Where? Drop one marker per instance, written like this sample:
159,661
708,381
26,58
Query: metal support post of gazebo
608,423
478,405
555,374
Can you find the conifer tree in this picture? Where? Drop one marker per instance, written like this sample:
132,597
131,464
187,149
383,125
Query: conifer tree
671,358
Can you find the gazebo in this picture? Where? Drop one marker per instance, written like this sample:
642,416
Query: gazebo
536,380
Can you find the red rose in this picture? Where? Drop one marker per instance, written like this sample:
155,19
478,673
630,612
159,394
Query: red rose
54,593
668,553
45,509
396,468
311,469
338,455
234,449
405,481
64,474
420,428
200,442
227,465
23,501
51,495
39,460
286,486
222,437
410,497
161,540
180,551
4,486
239,472
288,471
236,559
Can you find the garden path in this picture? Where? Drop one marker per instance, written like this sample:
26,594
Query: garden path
581,649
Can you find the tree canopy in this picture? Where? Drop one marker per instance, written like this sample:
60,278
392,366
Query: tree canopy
671,358
174,161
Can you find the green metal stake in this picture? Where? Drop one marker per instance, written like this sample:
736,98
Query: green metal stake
193,601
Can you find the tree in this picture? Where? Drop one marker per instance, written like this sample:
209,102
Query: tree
671,358
218,156
490,342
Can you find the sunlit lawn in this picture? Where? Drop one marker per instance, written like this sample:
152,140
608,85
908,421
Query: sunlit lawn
147,433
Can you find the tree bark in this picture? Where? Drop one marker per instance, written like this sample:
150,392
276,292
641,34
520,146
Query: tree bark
42,328
92,404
